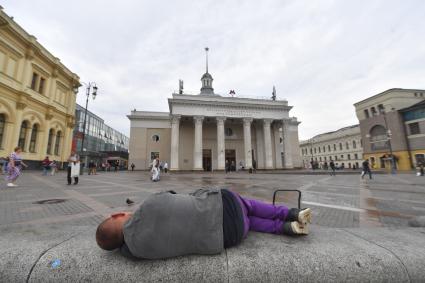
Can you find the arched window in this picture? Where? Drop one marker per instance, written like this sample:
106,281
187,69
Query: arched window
33,140
2,127
346,145
155,138
50,141
23,135
58,142
378,138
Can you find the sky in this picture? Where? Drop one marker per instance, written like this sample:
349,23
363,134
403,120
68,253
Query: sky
323,56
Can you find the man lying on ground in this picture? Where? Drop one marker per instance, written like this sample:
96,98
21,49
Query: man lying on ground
204,222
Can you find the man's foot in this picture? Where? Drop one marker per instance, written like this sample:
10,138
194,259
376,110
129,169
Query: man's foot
294,228
303,216
11,185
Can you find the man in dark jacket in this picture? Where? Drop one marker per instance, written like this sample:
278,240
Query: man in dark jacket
205,222
366,169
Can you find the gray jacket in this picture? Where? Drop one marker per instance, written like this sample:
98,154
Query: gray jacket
168,225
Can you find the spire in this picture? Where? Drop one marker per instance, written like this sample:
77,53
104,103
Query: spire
206,53
207,79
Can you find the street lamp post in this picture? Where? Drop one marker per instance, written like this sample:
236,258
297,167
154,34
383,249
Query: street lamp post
89,86
393,171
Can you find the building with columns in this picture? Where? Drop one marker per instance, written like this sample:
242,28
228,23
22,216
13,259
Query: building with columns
37,98
203,131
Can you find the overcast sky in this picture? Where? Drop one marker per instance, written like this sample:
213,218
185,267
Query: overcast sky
322,56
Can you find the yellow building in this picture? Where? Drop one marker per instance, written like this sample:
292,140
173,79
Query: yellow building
37,97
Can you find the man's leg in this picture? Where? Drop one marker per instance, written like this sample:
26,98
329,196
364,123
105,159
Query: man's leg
264,210
258,224
370,174
69,175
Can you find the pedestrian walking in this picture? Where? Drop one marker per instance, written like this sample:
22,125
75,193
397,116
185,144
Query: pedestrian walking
254,165
165,167
53,167
132,166
332,165
227,166
46,165
366,169
14,167
155,170
73,168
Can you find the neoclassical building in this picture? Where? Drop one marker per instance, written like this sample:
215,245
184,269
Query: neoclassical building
344,147
37,97
203,131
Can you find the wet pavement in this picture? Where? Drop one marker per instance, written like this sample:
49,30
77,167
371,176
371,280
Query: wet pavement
341,201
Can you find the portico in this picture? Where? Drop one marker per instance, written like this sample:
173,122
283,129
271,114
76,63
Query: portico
208,132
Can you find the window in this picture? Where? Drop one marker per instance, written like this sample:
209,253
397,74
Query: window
334,147
373,110
420,159
34,81
378,138
2,127
23,135
414,128
320,159
41,85
325,158
319,149
354,144
356,156
346,145
329,148
50,141
340,146
311,151
342,156
154,154
324,149
228,132
33,139
381,109
349,156
366,113
336,158
155,138
58,142
315,150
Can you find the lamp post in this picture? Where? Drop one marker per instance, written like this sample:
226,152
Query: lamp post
89,86
388,132
311,151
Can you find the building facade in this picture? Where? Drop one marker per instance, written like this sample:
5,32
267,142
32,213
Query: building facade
102,143
37,97
392,128
206,131
343,147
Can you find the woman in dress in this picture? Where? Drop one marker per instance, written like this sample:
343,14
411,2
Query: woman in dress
14,167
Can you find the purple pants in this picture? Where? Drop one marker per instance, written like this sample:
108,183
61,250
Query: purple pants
262,217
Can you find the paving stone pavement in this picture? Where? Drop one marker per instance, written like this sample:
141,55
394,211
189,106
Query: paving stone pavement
341,201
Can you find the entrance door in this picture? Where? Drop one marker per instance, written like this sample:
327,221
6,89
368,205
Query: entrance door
206,159
230,156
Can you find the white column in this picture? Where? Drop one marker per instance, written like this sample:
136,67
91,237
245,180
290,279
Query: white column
247,142
220,143
278,145
175,136
287,145
268,143
197,149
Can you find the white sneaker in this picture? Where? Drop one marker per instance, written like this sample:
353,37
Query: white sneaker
11,185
